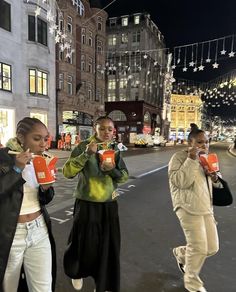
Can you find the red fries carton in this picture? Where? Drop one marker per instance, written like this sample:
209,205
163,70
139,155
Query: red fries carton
107,155
210,162
44,167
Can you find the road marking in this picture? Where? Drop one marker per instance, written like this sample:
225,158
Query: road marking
151,171
60,220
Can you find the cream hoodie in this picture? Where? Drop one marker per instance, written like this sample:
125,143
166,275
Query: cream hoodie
188,185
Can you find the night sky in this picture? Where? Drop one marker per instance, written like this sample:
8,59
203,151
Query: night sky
185,22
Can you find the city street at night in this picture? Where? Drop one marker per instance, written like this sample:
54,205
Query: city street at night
150,229
138,90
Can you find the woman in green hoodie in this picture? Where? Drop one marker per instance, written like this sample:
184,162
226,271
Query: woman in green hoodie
94,242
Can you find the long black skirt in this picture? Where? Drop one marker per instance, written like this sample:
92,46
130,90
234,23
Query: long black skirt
94,245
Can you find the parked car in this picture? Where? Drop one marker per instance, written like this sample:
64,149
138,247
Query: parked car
159,140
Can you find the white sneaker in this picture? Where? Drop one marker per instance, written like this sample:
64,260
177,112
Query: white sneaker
180,265
202,289
77,284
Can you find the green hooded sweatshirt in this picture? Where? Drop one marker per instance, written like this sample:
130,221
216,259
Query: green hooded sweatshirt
94,184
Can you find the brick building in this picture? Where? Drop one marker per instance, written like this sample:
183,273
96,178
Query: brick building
80,78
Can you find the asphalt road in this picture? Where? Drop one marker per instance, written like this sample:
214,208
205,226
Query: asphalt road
150,230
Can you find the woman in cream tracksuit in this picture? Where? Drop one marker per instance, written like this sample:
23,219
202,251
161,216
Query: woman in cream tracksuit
191,191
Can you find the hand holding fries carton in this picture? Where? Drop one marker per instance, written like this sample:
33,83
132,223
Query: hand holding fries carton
209,162
45,168
107,156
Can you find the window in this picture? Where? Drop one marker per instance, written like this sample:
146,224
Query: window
136,19
69,85
98,96
5,77
38,82
5,15
90,65
112,40
124,21
61,25
90,40
124,38
99,26
123,83
111,96
90,95
83,63
69,24
136,36
80,6
83,36
61,81
69,58
113,22
99,23
61,55
99,47
112,84
37,30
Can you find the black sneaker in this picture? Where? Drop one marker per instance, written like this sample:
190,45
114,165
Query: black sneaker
180,265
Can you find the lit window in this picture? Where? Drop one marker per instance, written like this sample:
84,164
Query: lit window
5,77
37,30
124,21
112,40
124,38
112,84
38,82
111,96
123,83
5,15
136,19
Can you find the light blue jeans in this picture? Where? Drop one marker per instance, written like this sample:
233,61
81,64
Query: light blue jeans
31,247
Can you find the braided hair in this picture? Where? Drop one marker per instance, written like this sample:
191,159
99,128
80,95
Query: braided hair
98,120
194,131
26,125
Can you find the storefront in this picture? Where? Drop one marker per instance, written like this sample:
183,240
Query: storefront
7,124
77,124
132,118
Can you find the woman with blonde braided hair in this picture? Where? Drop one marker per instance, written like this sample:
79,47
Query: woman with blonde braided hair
25,232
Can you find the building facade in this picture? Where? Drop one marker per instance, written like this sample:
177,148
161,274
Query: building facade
80,80
185,109
136,66
27,66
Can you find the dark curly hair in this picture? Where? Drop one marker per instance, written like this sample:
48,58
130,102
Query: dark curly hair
194,131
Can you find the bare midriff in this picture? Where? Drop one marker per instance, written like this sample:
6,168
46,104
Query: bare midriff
29,217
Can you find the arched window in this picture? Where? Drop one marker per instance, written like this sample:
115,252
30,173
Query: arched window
147,118
117,116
